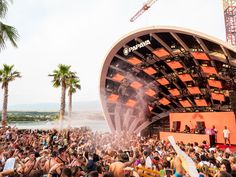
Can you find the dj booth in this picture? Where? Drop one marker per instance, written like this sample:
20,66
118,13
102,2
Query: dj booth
188,137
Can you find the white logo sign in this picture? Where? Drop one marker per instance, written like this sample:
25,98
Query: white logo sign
126,50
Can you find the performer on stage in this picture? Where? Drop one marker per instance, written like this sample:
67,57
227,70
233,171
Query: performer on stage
214,134
187,129
226,134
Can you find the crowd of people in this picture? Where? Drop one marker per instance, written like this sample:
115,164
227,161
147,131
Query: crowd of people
81,152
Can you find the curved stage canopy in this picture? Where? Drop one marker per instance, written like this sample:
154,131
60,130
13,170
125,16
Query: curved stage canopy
154,71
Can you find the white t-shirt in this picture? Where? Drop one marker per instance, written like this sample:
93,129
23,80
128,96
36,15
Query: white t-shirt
226,133
148,162
10,164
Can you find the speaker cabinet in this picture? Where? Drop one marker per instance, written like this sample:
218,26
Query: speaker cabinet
232,97
201,127
176,126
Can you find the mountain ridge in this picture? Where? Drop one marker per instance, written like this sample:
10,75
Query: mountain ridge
83,106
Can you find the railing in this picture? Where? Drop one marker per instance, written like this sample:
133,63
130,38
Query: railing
146,172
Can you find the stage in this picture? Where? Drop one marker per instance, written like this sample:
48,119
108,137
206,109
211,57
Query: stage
218,119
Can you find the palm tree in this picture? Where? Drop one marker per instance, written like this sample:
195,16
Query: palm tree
60,78
7,74
73,84
6,32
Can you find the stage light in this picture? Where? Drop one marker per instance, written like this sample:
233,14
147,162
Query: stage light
168,60
176,58
197,49
173,46
225,66
194,50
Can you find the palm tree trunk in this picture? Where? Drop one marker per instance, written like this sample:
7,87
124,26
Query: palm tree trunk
70,108
63,104
4,108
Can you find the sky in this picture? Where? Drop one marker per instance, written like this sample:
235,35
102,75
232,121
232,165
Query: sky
81,33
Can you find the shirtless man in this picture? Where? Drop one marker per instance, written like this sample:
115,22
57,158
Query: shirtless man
51,161
56,162
29,165
118,168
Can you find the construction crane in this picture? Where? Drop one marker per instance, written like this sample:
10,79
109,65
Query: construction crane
229,16
145,7
230,20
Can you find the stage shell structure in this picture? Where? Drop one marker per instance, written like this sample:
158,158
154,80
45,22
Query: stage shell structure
155,71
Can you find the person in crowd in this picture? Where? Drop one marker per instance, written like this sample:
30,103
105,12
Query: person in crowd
81,152
148,160
108,174
66,172
93,174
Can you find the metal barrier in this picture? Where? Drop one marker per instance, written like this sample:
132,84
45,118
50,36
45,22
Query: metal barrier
146,172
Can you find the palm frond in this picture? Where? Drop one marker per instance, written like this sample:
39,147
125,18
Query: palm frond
60,75
56,83
7,33
8,74
3,8
73,83
2,42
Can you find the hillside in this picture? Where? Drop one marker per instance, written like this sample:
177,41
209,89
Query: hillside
89,106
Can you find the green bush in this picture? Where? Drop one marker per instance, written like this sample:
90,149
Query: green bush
13,116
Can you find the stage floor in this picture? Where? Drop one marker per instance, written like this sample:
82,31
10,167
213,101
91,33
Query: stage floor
223,147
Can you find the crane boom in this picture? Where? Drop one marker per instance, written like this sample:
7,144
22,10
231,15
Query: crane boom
145,7
230,20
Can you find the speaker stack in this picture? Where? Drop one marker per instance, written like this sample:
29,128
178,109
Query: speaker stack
176,126
232,97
